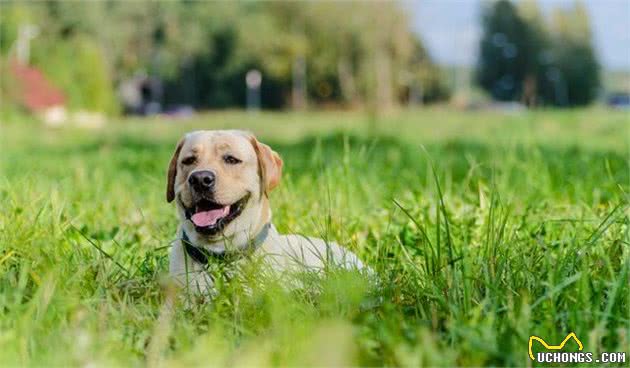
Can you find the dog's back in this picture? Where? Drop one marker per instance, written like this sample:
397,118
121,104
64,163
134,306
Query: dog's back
292,251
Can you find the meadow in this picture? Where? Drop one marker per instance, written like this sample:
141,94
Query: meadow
484,228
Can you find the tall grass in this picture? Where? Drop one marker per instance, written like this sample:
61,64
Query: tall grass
484,229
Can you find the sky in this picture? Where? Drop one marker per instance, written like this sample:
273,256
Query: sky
451,29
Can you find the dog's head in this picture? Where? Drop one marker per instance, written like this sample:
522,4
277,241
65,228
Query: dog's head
220,181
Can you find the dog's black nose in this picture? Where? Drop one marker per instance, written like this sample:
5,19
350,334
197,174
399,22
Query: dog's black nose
202,180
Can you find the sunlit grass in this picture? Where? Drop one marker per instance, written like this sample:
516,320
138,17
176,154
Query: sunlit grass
484,229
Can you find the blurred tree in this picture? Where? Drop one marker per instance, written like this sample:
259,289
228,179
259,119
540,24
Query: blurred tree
66,48
574,73
77,65
523,58
323,52
537,40
425,82
508,52
13,16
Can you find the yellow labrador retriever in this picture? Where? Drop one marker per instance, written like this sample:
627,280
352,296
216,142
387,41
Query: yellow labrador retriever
220,181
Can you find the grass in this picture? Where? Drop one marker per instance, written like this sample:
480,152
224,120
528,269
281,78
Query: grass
484,229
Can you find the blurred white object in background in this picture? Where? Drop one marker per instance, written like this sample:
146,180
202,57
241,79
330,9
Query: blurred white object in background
54,116
253,80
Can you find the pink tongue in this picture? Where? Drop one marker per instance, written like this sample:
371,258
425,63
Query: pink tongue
209,218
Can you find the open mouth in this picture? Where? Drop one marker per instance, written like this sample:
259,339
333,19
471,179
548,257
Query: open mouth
210,217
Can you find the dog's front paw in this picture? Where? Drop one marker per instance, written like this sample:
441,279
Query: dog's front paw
195,288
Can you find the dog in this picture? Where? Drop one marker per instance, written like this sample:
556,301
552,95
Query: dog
220,181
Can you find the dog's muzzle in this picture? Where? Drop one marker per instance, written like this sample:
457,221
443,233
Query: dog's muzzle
210,217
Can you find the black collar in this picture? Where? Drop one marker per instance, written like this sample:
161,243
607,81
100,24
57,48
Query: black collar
201,255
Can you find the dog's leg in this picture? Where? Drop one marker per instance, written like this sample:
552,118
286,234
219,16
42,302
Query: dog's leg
190,276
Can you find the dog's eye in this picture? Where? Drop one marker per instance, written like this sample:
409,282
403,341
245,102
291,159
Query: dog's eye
189,160
231,160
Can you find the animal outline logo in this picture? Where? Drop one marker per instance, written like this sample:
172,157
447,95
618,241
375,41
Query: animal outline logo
553,347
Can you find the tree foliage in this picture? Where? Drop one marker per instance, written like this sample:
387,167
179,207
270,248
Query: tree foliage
524,58
202,50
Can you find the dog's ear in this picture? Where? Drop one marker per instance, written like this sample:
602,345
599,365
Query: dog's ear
269,165
172,172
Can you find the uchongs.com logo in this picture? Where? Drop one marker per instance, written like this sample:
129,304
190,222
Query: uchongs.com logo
571,357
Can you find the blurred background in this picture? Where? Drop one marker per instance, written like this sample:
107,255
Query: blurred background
82,62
